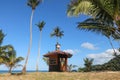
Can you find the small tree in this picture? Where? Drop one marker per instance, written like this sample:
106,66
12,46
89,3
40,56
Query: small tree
88,64
70,67
10,59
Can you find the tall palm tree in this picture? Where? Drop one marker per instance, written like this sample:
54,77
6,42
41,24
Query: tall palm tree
57,33
40,25
33,4
107,10
98,26
88,64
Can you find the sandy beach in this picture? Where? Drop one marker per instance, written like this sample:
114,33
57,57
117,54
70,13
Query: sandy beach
63,76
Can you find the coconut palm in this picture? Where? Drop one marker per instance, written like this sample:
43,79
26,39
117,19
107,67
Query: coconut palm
9,57
88,64
57,33
98,26
40,25
107,10
33,4
12,61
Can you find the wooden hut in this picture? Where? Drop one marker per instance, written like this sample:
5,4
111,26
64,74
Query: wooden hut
58,59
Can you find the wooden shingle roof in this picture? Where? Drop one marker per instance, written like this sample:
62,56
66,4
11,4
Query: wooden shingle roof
57,52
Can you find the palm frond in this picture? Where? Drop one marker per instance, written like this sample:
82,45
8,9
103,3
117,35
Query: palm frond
19,59
18,65
94,8
2,35
97,26
77,7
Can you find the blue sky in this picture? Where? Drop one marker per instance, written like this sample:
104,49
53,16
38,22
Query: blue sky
14,21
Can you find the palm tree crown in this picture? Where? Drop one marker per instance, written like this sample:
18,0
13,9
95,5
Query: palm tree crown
40,25
33,3
57,32
105,16
107,10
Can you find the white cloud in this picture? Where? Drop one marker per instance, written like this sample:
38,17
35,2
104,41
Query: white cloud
89,46
72,51
103,57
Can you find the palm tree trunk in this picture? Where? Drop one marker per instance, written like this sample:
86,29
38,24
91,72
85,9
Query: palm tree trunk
10,70
30,44
38,57
57,40
112,46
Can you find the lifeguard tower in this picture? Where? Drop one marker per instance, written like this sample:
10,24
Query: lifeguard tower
58,59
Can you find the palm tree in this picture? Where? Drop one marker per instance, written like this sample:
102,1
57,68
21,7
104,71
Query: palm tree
57,32
70,67
106,10
33,4
40,25
9,58
88,64
99,26
12,62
